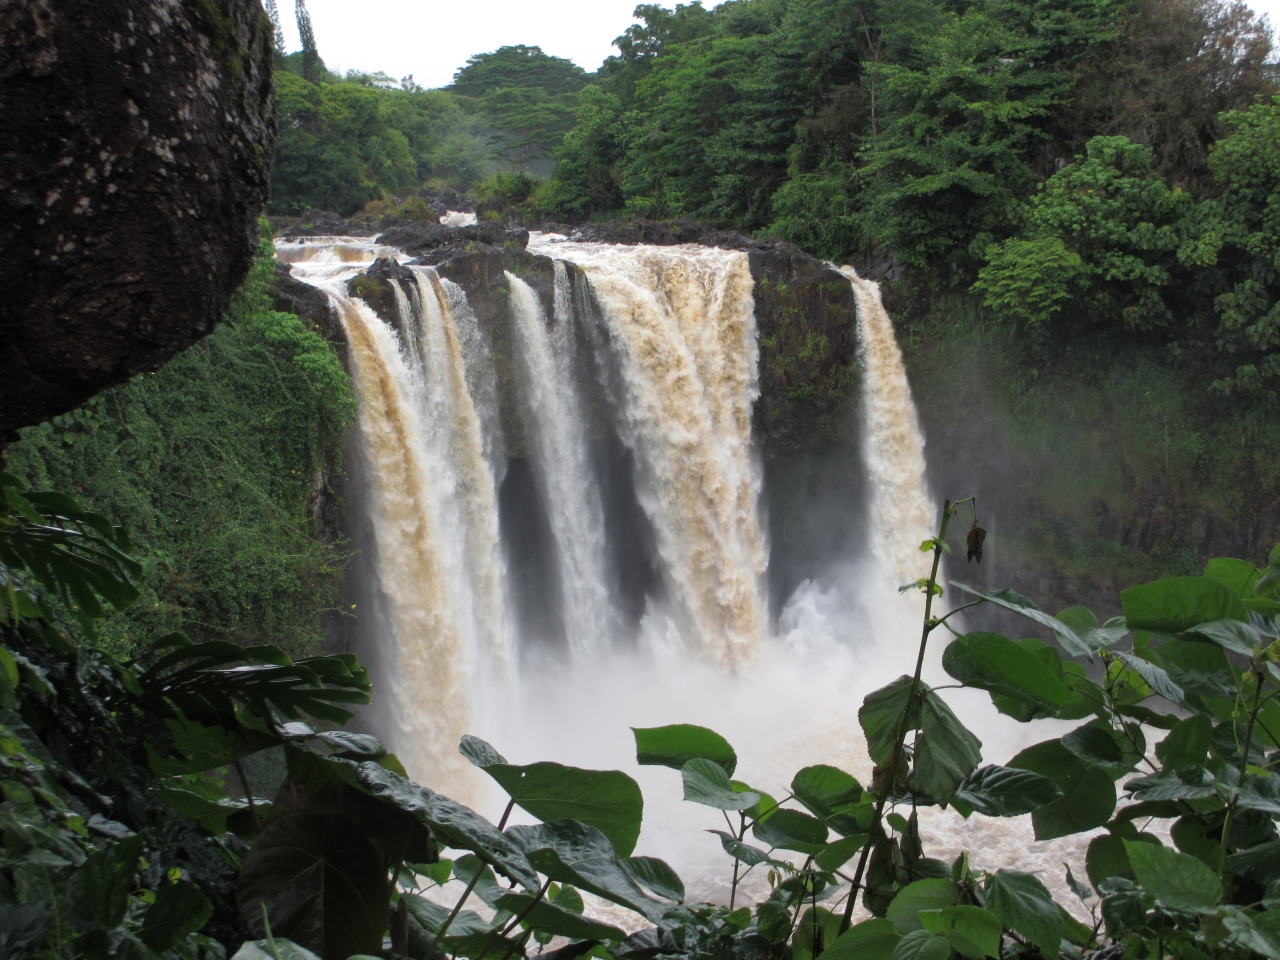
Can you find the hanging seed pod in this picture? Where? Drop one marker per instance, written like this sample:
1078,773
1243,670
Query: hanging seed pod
975,540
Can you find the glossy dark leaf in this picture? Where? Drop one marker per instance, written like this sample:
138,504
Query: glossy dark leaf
179,910
655,876
454,824
884,714
99,889
1157,678
744,852
706,782
608,800
946,752
792,830
676,744
567,851
1088,793
549,918
1186,783
1006,791
479,752
1023,904
323,883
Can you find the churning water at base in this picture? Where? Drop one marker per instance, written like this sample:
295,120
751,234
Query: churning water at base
679,329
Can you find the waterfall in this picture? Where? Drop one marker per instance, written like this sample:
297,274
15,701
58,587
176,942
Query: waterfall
426,665
902,512
681,321
561,463
473,493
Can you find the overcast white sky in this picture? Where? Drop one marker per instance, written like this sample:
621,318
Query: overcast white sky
432,38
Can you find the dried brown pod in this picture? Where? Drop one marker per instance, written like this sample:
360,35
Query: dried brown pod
975,540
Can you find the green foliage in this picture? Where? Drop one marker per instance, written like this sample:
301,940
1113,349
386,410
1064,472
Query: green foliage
345,143
211,463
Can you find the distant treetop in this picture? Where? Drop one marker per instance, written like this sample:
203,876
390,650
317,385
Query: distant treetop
519,66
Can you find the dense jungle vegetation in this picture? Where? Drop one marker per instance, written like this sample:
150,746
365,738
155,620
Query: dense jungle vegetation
217,464
120,839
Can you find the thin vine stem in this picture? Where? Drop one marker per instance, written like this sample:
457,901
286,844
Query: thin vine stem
904,728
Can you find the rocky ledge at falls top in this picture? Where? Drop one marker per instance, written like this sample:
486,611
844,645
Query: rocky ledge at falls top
134,160
804,313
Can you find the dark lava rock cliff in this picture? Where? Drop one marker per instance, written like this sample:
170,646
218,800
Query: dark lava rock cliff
804,314
135,152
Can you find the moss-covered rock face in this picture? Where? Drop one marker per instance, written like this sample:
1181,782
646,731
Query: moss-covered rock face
808,349
135,156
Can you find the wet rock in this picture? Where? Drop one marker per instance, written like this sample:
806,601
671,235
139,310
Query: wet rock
419,238
134,162
311,306
374,287
320,223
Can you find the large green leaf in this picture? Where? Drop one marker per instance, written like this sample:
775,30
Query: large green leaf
546,917
991,662
99,889
1238,576
744,852
180,909
480,752
1017,603
277,948
654,875
1200,668
1023,904
706,782
571,852
1231,635
792,830
1187,744
1178,881
885,713
946,752
1006,791
1184,783
922,945
322,882
1178,604
922,895
1157,678
829,794
972,931
870,940
451,822
609,800
1088,792
1086,627
676,744
838,853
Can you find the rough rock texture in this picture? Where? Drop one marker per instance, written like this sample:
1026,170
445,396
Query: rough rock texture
134,161
309,304
320,223
426,238
373,287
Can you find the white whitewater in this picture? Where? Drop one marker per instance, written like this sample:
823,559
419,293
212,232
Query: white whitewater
562,465
682,323
902,513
